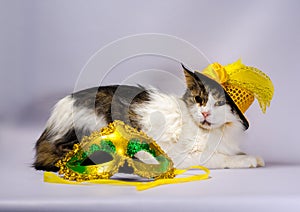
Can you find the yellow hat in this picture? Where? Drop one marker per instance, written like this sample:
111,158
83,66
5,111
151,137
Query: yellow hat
243,84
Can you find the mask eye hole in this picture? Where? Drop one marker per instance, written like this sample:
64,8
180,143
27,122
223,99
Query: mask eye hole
97,157
145,157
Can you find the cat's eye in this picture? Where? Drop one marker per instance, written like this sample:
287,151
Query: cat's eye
220,103
198,99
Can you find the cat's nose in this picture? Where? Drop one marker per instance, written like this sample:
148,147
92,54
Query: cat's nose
205,114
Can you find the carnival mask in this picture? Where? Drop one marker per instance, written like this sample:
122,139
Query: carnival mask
105,152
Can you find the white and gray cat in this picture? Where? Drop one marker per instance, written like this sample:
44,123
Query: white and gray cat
205,120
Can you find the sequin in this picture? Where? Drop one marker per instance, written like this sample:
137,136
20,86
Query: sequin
122,142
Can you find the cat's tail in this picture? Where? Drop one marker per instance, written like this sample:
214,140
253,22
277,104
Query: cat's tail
46,155
58,137
48,152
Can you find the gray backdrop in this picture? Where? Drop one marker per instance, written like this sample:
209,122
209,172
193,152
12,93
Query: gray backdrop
45,44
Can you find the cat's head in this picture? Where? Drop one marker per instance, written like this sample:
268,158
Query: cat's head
209,104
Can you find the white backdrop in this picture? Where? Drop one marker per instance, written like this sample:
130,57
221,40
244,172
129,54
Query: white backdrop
45,44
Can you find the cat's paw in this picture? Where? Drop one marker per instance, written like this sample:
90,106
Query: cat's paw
260,161
249,161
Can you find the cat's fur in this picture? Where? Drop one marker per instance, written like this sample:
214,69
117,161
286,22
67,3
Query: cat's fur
184,127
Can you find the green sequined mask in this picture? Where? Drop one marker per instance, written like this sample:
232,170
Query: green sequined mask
103,153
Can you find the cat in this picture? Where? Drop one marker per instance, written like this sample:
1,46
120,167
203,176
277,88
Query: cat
203,127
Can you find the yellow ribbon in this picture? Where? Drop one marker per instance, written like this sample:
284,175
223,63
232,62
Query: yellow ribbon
51,177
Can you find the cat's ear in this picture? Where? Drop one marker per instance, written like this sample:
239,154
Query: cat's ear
191,82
